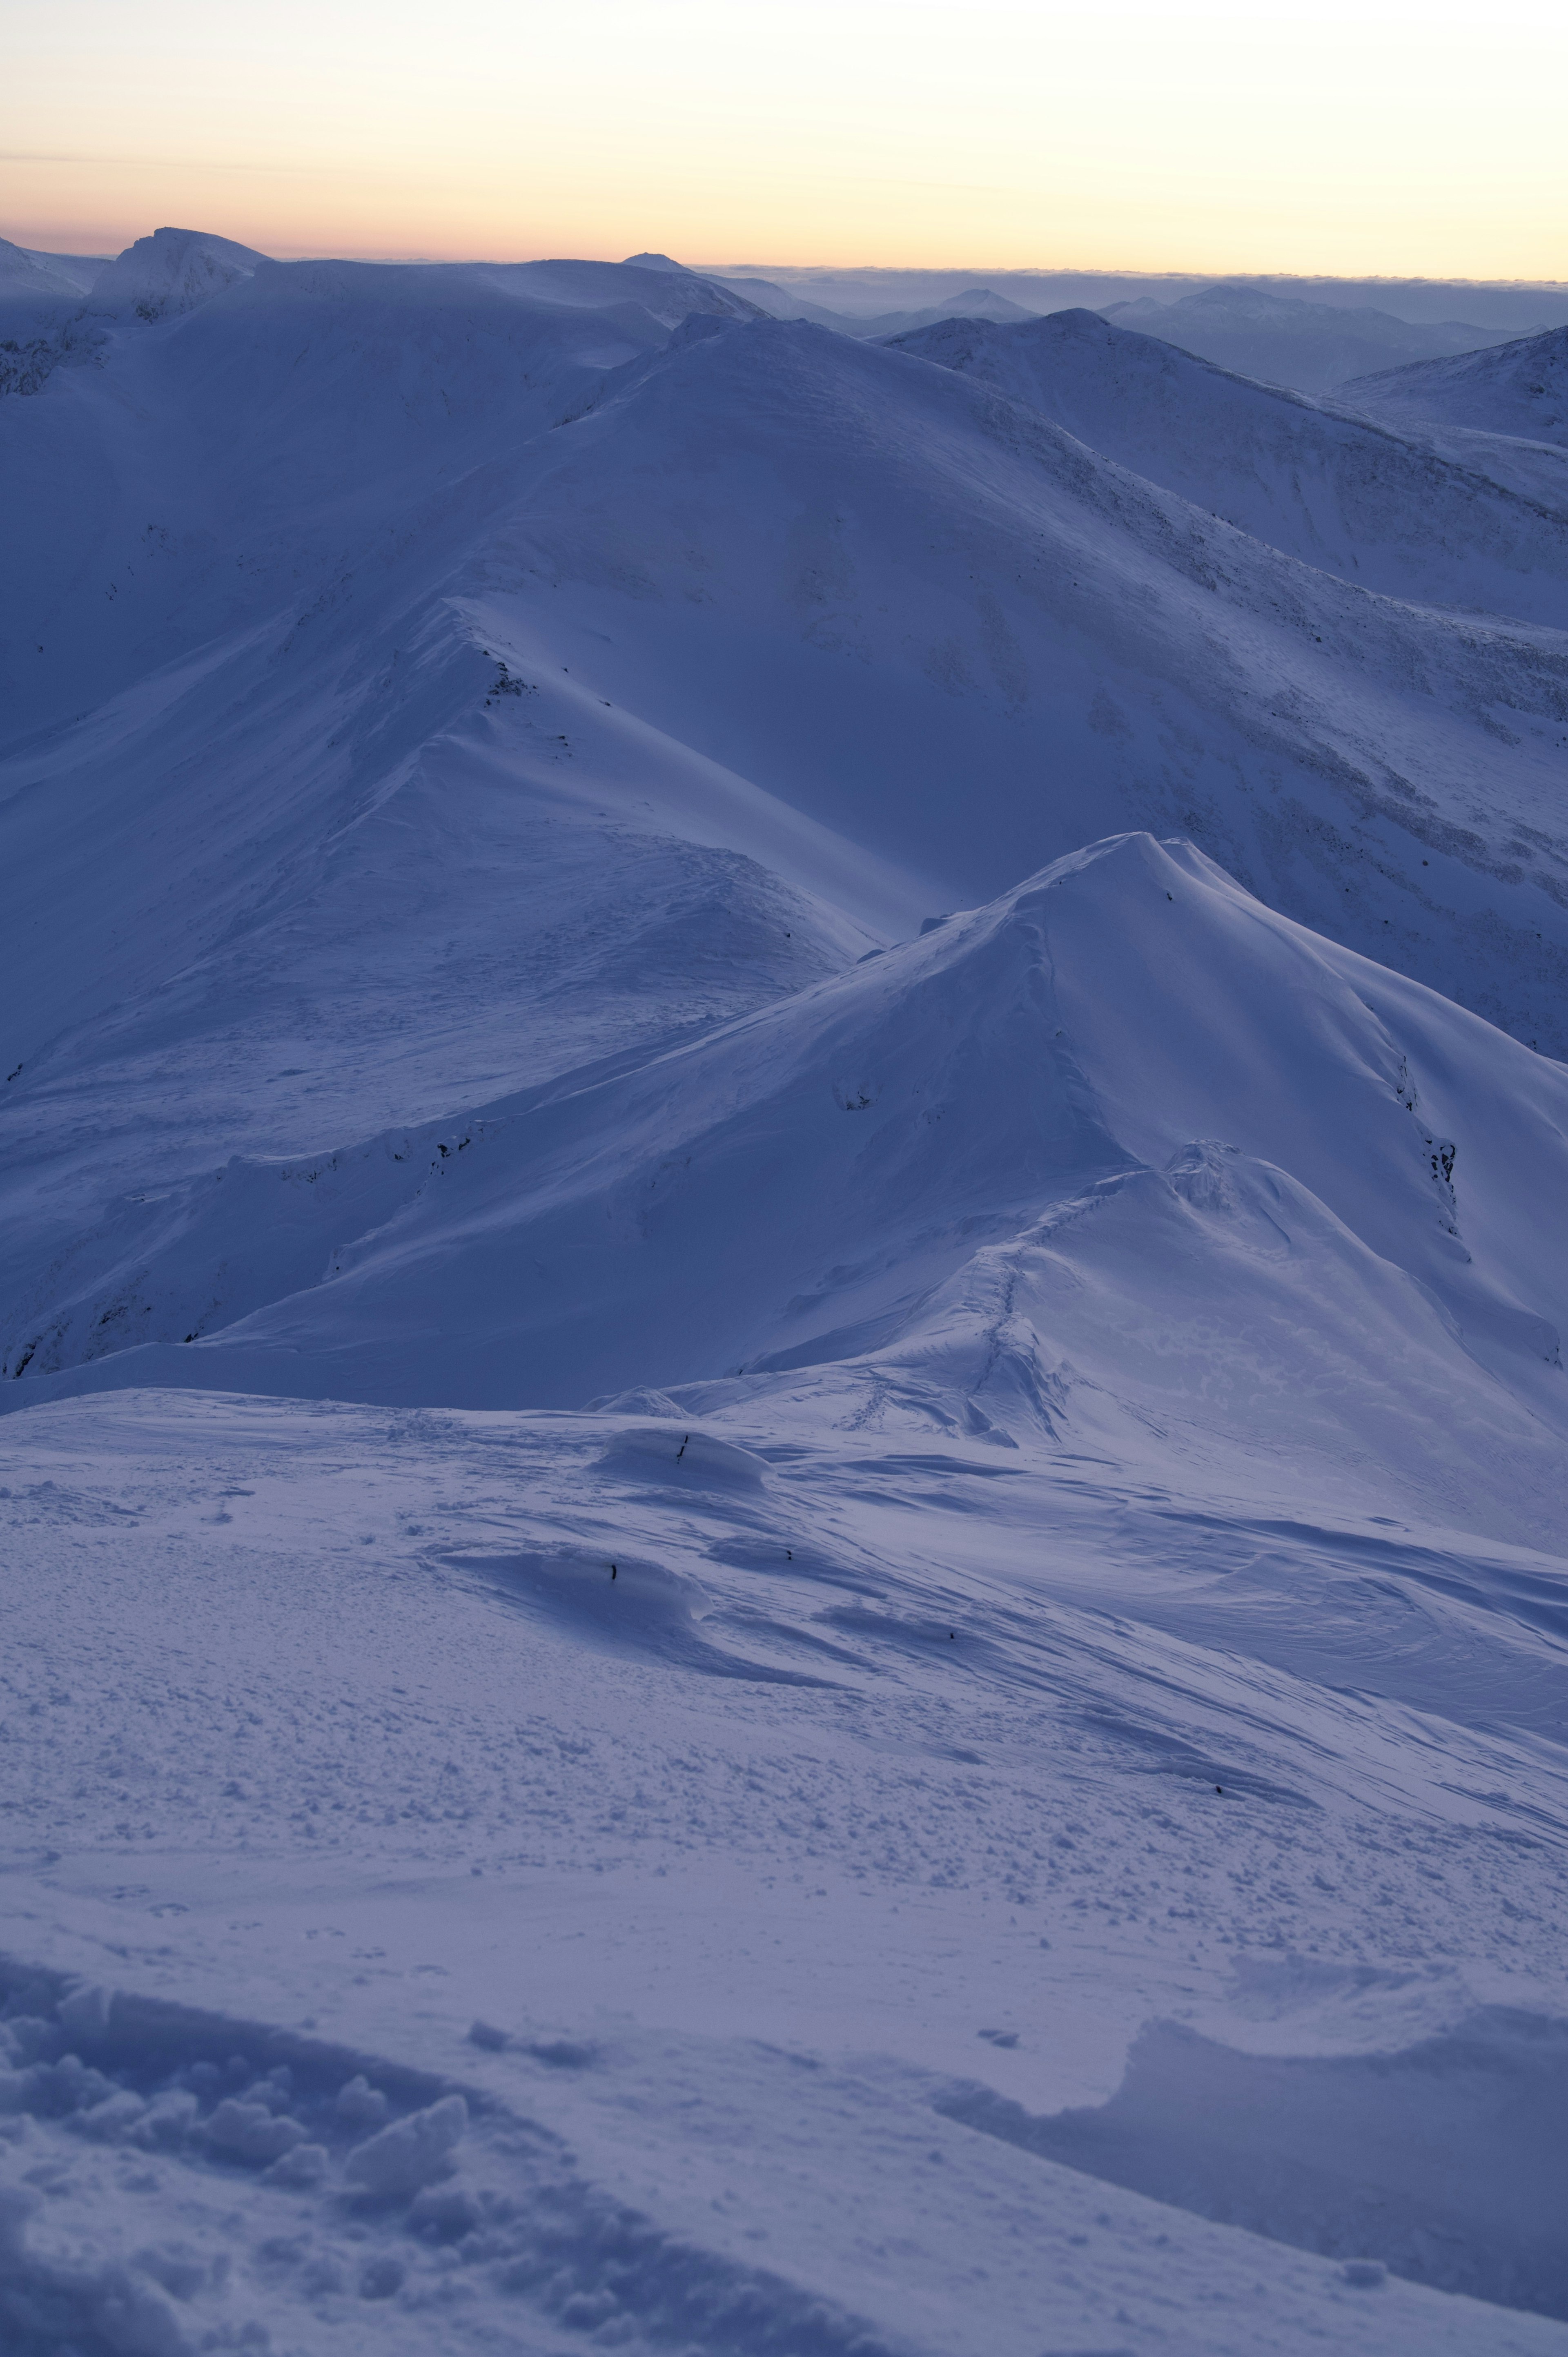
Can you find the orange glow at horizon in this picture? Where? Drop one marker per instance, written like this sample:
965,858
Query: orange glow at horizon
1389,139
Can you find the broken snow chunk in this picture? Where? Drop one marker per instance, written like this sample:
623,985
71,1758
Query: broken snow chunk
166,2118
485,2034
134,2314
443,2213
28,2039
274,2092
85,2012
303,2165
51,2090
1365,2274
179,2269
380,2278
411,2152
363,2105
564,2053
250,2132
110,2120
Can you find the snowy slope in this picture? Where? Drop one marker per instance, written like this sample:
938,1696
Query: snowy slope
940,1160
1521,388
79,269
928,1901
934,584
858,580
41,276
1348,496
847,1940
301,761
40,317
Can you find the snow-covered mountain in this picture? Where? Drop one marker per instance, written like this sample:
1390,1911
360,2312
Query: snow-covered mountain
781,1135
173,270
970,302
913,1180
1314,481
1314,347
1518,389
783,303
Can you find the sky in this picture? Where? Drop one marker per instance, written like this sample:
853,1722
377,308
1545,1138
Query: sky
1383,138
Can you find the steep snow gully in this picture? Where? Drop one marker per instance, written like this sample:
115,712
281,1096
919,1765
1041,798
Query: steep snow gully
782,1153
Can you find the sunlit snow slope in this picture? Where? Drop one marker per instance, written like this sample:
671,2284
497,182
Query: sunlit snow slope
781,1164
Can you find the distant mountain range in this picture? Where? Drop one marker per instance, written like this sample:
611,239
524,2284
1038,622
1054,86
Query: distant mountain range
1311,346
1280,338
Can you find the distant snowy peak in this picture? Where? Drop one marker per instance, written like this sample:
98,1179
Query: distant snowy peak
970,302
1284,340
172,271
666,289
985,303
1519,387
1141,311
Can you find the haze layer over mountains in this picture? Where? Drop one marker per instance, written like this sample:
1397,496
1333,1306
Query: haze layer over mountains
782,1156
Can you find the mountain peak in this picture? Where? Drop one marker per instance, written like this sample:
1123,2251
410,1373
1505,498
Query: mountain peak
172,271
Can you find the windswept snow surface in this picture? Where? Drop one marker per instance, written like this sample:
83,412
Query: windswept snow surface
781,1164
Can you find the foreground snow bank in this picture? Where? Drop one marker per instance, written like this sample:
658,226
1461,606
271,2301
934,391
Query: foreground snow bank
474,1877
470,2216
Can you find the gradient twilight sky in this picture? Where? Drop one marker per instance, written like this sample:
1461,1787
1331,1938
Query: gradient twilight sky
1387,137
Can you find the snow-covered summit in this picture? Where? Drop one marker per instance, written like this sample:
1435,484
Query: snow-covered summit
170,273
